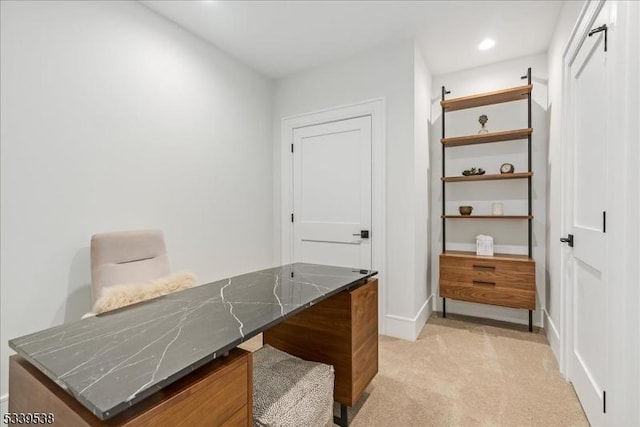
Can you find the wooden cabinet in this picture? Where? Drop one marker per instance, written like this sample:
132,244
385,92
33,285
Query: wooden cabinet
219,393
342,331
506,280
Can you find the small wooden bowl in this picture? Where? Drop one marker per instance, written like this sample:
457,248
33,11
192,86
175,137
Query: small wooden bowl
465,210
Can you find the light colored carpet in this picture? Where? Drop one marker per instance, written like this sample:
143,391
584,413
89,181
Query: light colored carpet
466,372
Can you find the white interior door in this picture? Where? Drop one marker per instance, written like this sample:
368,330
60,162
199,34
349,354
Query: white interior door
332,193
587,187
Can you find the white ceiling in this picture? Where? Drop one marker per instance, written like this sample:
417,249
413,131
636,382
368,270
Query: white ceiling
279,38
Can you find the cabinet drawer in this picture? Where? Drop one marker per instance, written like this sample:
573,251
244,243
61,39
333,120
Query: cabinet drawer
220,393
508,274
488,294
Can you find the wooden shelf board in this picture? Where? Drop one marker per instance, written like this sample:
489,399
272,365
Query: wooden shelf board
493,177
484,138
487,216
499,257
489,98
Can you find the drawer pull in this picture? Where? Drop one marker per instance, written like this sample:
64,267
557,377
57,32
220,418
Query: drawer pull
486,267
478,282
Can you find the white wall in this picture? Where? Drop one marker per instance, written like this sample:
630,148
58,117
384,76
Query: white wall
114,118
388,72
422,121
553,319
509,236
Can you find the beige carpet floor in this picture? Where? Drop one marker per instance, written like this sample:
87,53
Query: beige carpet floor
465,371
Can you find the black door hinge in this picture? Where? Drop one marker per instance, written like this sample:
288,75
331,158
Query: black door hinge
604,28
604,402
604,221
292,148
291,217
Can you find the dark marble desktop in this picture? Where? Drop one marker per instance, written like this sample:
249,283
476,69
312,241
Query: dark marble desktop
116,359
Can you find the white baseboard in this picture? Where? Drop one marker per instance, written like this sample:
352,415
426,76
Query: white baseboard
409,328
553,336
4,405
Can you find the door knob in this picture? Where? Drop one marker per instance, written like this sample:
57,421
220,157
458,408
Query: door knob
364,234
568,239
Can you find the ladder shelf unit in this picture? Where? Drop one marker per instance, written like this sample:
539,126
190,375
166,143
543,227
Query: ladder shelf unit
506,280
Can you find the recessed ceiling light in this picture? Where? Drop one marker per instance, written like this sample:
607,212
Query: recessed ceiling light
486,44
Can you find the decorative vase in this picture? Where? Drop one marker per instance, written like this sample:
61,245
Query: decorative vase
483,119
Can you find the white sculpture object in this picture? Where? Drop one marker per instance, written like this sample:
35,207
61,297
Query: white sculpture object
484,245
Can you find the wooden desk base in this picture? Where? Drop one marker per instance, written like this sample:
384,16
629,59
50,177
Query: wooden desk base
341,331
217,394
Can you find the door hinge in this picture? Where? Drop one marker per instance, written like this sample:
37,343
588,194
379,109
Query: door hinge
604,402
604,28
292,148
291,217
604,221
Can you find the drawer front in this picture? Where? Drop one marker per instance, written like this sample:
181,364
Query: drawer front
497,273
230,387
218,393
488,294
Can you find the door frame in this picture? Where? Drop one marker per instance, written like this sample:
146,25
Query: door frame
376,109
621,204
